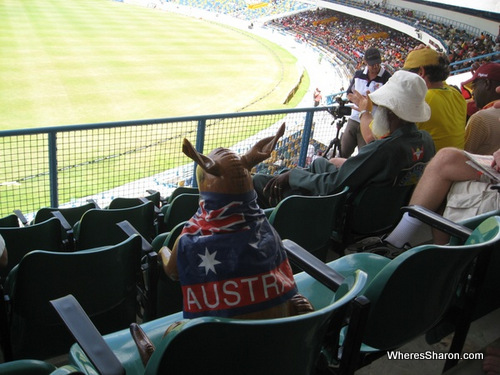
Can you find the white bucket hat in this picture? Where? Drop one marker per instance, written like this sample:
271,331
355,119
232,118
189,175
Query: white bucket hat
404,94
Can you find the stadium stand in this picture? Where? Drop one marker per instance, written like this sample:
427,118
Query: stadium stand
319,27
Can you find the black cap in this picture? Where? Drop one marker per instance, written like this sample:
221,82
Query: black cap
372,56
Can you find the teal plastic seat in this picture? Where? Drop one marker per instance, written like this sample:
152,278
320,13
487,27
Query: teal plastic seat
46,235
180,209
104,281
376,208
480,297
288,346
410,293
488,298
26,367
308,220
98,227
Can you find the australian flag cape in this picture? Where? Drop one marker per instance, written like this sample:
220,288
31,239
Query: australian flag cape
231,260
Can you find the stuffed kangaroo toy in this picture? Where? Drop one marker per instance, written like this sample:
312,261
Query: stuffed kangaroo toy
229,259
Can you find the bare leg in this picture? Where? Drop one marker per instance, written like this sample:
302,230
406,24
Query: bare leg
447,167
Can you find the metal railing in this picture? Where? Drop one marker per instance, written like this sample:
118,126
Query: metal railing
67,165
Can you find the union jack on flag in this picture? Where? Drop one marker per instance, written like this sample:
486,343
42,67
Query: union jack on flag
231,260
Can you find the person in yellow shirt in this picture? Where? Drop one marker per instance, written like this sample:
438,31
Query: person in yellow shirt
448,107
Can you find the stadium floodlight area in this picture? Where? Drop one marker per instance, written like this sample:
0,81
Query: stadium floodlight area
67,165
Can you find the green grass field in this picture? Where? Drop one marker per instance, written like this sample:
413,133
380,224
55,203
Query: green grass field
65,62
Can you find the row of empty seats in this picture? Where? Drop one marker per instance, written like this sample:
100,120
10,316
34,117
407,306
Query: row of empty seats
365,305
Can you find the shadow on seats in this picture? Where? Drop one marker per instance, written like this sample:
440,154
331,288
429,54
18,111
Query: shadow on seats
412,292
98,227
46,235
104,281
309,220
376,209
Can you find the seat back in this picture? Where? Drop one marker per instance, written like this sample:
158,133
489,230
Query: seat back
234,346
166,292
103,280
26,367
182,190
71,214
182,208
308,220
122,202
98,227
169,293
413,291
376,209
9,221
46,235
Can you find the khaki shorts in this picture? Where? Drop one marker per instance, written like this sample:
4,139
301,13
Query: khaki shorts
470,198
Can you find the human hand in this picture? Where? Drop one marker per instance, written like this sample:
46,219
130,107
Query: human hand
337,161
276,187
496,160
362,102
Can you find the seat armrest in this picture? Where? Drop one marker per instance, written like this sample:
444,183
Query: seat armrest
94,202
21,217
437,221
87,336
67,226
130,230
313,266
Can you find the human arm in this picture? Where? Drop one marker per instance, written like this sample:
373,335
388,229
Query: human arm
276,187
338,161
364,106
169,261
325,178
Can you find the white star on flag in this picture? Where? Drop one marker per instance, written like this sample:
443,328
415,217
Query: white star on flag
208,261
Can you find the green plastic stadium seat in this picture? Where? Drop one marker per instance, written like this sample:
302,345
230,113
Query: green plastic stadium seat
104,281
182,190
232,346
9,221
46,235
70,216
480,297
182,208
376,209
26,367
308,220
122,202
166,292
98,227
410,293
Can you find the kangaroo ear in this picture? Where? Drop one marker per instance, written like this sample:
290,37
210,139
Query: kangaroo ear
205,162
262,149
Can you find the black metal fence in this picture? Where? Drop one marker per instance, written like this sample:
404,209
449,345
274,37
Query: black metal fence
66,165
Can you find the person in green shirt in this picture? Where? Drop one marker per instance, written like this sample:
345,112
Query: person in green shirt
401,103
